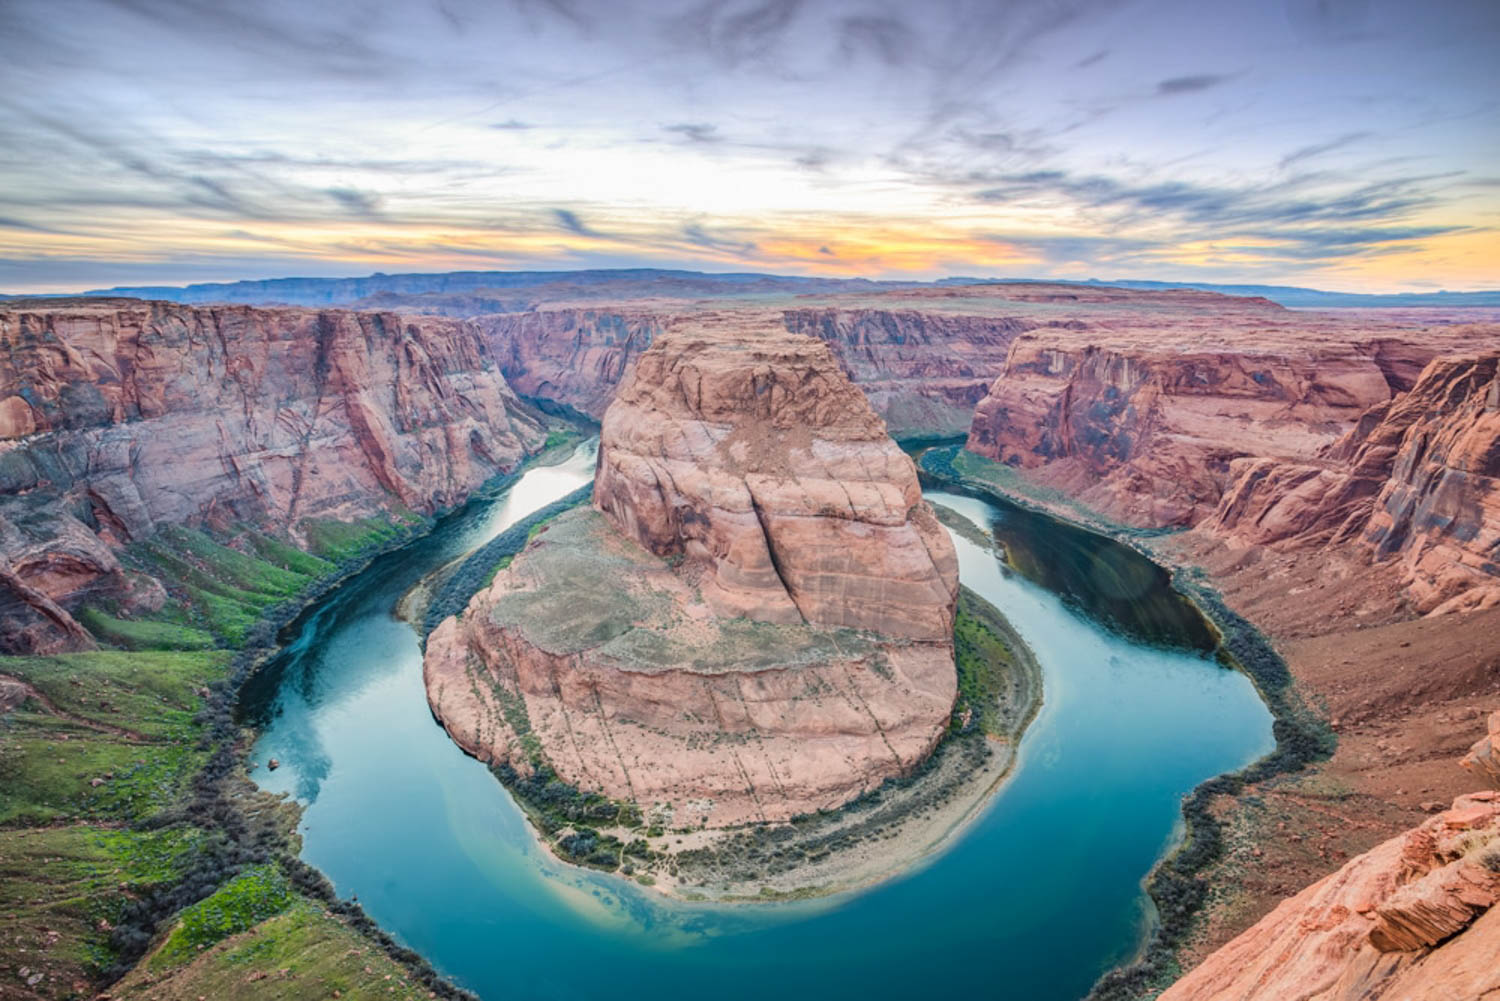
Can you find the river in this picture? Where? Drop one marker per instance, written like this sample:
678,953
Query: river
1040,895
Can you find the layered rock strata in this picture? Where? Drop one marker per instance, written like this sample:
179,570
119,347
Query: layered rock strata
119,416
1413,918
755,623
922,371
1417,478
1143,417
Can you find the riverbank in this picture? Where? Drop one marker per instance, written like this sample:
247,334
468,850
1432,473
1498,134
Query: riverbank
1190,877
879,835
138,853
893,829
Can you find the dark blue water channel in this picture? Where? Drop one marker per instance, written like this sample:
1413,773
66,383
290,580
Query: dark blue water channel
1038,897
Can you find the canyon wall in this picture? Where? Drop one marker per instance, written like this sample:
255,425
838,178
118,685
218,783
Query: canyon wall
1412,919
754,622
1146,435
571,356
117,417
923,371
1418,478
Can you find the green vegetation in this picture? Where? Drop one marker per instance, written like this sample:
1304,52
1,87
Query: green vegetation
127,827
999,683
301,952
478,571
246,900
342,541
144,634
558,438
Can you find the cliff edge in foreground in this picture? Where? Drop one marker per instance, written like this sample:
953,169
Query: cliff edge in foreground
1412,919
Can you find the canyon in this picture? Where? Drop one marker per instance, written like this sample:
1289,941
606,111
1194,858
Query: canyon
120,417
753,622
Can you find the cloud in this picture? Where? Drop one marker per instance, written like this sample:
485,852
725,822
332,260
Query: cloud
887,38
698,236
1290,201
356,202
1189,84
569,221
1318,149
698,132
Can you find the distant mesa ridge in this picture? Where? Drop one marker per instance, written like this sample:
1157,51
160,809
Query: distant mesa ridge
342,291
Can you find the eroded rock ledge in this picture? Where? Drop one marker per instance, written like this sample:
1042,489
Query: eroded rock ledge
757,621
1413,918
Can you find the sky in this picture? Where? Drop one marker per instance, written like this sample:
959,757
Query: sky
1344,144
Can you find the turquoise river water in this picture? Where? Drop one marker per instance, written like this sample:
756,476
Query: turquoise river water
1040,895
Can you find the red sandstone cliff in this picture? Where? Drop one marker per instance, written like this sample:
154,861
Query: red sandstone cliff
759,623
1418,478
753,453
571,356
1413,919
923,371
118,416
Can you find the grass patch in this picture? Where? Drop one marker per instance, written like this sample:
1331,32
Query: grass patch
256,894
341,541
48,779
155,693
62,888
144,634
986,666
300,952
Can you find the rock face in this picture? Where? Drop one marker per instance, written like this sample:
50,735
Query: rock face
1483,759
575,357
756,456
923,371
119,416
1142,408
1418,478
1412,919
755,623
1147,436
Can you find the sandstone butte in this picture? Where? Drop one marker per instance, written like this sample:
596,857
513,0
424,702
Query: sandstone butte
1412,919
120,416
754,620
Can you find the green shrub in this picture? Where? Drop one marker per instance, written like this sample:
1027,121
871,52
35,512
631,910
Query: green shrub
256,894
